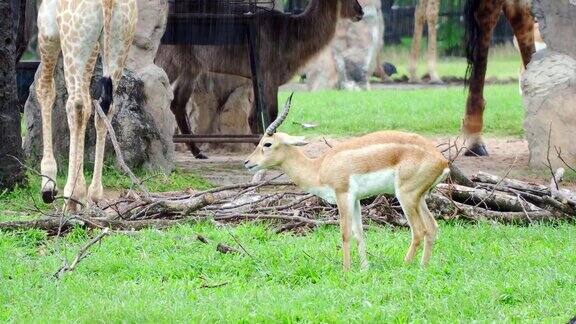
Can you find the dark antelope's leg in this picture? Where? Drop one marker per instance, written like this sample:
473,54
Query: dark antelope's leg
182,92
522,23
259,118
270,95
487,15
271,98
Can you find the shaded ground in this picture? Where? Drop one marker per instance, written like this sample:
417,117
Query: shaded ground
505,154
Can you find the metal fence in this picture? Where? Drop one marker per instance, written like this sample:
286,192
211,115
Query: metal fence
399,22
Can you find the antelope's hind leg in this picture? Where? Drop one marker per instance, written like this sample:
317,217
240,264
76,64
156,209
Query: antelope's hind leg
430,233
409,205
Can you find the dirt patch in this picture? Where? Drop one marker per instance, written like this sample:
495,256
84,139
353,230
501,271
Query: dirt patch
505,154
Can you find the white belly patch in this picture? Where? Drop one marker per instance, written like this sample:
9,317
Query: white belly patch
371,184
325,193
361,186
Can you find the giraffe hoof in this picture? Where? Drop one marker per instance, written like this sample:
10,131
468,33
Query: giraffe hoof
200,156
477,150
48,196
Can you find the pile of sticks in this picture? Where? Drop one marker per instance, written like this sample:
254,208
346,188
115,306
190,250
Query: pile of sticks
484,197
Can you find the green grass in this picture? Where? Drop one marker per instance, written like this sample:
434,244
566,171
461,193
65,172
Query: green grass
503,62
482,272
429,111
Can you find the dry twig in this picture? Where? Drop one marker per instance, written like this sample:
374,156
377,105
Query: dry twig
80,256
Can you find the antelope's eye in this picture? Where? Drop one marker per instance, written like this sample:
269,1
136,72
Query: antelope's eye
267,144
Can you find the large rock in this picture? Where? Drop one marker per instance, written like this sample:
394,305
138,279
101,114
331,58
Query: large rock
549,85
221,104
144,123
350,60
152,17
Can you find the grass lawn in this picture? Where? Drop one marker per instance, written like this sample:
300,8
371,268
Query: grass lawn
503,62
483,272
478,272
428,111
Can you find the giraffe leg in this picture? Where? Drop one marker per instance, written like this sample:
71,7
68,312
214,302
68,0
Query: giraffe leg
117,38
49,48
419,17
79,37
486,16
432,10
522,22
75,188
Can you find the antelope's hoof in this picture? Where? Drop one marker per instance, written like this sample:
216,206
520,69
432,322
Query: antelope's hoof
436,81
476,150
48,196
200,156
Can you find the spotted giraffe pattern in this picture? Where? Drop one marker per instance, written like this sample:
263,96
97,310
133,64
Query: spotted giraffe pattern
79,30
426,11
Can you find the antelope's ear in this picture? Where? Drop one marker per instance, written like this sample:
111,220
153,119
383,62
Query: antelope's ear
292,140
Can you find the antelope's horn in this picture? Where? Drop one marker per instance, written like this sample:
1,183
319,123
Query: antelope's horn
272,128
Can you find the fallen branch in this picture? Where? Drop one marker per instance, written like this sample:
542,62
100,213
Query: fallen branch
489,198
459,177
80,256
225,249
535,189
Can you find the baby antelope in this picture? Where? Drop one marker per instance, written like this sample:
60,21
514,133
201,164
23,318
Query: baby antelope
406,165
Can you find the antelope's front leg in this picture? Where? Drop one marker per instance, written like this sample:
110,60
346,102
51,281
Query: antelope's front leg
345,217
358,232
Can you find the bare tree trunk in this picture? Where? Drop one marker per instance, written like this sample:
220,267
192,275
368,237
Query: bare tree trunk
11,172
19,27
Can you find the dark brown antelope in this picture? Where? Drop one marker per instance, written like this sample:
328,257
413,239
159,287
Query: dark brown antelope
481,17
287,42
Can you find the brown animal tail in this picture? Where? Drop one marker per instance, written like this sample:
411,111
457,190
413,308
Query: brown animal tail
472,35
105,86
